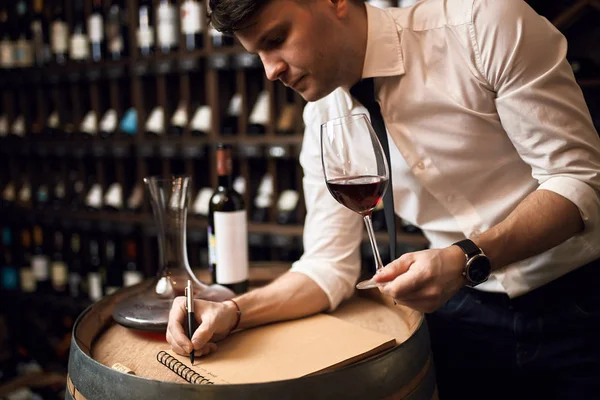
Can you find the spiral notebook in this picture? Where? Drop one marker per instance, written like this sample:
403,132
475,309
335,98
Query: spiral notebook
284,350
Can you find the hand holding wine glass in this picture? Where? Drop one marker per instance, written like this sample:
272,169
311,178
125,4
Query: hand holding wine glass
356,171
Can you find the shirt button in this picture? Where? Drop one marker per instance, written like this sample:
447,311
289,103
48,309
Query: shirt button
421,165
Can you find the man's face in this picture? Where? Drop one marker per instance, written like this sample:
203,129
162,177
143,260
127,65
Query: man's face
300,44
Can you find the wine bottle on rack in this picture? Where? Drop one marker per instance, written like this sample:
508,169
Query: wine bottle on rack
227,229
286,123
128,125
94,276
27,278
58,269
155,125
89,125
59,34
202,203
263,200
192,24
166,26
132,275
52,129
7,27
3,125
201,122
114,276
40,35
9,195
75,267
179,121
218,39
287,206
10,274
40,262
96,30
113,199
24,196
116,30
145,32
234,109
18,127
77,191
23,44
136,198
79,49
109,123
259,118
93,200
59,192
42,194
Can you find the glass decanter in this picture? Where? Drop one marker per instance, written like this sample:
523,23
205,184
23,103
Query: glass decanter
149,309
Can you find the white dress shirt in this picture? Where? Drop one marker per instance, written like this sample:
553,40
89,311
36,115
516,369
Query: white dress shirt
483,109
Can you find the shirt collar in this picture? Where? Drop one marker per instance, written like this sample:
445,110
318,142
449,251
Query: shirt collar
384,51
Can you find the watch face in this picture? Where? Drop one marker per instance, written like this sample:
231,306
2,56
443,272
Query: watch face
479,269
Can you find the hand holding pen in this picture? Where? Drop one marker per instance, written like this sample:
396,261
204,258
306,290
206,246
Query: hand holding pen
189,306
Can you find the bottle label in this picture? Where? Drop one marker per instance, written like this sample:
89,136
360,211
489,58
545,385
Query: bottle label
145,37
59,37
191,19
231,237
6,54
96,28
95,286
39,265
212,247
10,278
23,53
59,274
28,282
167,25
115,44
79,47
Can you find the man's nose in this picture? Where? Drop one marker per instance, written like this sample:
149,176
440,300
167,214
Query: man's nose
273,67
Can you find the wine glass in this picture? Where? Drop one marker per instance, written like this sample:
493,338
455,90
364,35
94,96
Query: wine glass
356,171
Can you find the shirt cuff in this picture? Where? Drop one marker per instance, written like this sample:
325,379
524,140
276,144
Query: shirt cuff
337,281
581,194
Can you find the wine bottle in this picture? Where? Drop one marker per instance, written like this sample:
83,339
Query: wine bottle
40,262
10,274
145,32
227,229
234,109
166,27
116,30
286,207
136,198
24,196
23,45
202,202
7,51
113,199
58,269
79,49
59,34
59,193
155,125
18,127
239,185
40,35
94,276
132,275
128,125
89,125
201,121
42,194
259,117
3,126
96,30
52,129
263,199
114,276
192,24
286,123
9,195
109,123
75,267
93,200
179,121
77,191
26,275
218,39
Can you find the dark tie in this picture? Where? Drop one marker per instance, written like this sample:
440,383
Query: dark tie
364,92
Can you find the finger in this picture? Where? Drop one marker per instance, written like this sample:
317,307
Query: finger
397,267
175,327
208,348
174,346
403,287
203,334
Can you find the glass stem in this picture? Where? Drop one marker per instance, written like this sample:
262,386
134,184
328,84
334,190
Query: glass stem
371,233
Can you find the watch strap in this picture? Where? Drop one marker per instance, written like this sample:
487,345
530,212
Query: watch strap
469,247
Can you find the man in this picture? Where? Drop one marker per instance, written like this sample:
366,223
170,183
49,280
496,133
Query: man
491,140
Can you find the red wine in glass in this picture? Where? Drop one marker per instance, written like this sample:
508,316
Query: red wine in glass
360,193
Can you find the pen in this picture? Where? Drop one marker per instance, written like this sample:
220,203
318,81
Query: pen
189,305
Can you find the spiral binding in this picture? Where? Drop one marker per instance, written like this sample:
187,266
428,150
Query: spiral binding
181,369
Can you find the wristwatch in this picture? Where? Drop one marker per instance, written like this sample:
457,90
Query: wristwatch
478,267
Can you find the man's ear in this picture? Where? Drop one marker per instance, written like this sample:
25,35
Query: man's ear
340,7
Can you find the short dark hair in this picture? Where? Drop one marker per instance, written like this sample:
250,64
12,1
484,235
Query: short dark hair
228,16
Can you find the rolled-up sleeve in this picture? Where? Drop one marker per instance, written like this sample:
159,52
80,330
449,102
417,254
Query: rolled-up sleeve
541,107
332,233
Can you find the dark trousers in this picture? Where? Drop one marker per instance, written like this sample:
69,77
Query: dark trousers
542,345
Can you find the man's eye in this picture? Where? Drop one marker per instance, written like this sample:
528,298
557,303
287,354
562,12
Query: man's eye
277,41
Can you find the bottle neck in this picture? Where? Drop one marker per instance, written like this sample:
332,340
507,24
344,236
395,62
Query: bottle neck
224,181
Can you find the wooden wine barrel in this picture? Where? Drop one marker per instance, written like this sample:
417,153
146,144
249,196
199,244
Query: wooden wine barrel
403,372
